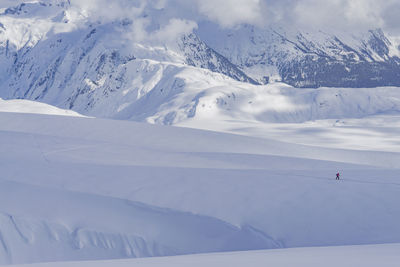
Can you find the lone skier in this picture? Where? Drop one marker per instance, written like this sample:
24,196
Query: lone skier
338,176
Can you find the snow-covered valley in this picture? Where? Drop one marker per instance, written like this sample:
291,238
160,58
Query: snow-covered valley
72,189
135,128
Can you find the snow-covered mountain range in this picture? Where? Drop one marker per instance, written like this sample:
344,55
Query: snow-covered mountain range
287,108
309,59
156,64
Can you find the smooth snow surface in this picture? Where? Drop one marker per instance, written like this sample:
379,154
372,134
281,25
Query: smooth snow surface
379,132
260,175
350,256
89,189
27,106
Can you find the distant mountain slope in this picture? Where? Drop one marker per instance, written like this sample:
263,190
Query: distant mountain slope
198,54
53,53
309,59
44,59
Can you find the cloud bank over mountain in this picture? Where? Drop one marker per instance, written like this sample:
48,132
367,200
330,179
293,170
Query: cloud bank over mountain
229,13
350,15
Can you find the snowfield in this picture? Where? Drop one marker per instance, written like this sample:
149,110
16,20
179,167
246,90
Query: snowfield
258,176
196,150
72,189
349,256
27,106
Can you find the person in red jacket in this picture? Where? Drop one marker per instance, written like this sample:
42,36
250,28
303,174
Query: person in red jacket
338,176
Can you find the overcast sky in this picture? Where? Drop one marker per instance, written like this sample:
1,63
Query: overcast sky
335,14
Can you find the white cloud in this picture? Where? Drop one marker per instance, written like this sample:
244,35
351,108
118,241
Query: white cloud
167,34
391,18
351,15
106,10
339,14
173,30
161,28
229,13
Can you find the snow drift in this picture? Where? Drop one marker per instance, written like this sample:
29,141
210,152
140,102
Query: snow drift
71,189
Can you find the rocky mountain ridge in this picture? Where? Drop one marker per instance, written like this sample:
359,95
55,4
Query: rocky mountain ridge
53,53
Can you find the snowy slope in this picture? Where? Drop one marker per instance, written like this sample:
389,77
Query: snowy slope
350,256
136,65
308,58
27,106
379,132
171,83
76,188
49,224
85,192
81,68
203,96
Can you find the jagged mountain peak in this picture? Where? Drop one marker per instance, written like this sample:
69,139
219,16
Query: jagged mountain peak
112,66
26,9
309,58
199,54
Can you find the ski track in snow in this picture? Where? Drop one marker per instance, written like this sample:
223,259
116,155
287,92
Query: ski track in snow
68,172
260,175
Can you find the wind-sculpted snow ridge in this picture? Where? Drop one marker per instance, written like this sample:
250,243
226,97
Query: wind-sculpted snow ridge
51,225
73,189
347,256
